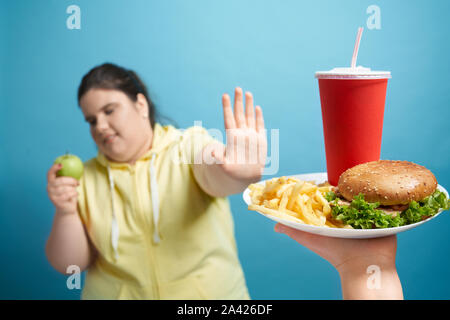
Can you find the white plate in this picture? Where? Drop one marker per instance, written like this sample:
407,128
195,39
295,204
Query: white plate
335,232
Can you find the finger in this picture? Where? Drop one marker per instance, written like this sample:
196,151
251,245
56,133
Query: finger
64,197
60,190
228,113
69,195
239,108
64,181
279,228
74,199
230,149
73,194
259,119
59,201
249,110
212,153
219,154
314,242
51,174
301,237
262,148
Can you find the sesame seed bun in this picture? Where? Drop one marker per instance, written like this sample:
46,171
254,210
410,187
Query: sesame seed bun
388,182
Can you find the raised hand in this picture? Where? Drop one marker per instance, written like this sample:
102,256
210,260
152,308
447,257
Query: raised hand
245,153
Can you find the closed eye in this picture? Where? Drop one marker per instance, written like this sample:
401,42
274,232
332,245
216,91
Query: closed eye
108,109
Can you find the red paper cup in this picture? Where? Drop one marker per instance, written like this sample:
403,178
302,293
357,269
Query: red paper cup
352,103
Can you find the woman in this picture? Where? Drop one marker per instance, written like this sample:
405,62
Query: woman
149,218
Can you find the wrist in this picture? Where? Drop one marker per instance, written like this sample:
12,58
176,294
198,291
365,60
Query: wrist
61,213
370,277
359,264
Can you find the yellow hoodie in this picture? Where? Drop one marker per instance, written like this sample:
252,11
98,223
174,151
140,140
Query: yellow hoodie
158,234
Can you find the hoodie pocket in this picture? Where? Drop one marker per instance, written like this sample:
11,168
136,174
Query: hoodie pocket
99,286
184,289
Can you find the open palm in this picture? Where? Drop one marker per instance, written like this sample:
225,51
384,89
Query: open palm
244,155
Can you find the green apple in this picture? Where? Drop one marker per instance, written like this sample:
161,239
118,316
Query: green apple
72,166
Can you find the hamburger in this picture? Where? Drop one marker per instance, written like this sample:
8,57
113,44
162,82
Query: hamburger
385,194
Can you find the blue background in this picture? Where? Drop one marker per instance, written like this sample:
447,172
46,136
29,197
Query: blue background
189,53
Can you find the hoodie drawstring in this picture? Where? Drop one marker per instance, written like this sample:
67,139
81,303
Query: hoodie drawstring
155,207
155,199
114,224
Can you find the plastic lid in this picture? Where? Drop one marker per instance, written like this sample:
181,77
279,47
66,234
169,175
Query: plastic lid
353,73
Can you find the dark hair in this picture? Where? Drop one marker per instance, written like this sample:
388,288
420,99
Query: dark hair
111,76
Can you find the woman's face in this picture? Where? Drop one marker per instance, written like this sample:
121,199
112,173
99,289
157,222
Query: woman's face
120,127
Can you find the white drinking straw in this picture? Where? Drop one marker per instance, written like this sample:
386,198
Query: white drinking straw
355,50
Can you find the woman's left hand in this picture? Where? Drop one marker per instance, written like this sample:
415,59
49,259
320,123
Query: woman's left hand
244,155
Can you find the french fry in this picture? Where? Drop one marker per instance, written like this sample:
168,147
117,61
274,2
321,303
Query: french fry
283,188
331,225
324,189
256,186
295,200
255,196
309,214
324,202
294,193
323,221
309,188
271,187
285,199
293,213
272,204
275,213
315,204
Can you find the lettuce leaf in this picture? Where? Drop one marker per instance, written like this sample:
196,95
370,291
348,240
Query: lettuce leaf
426,208
361,214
